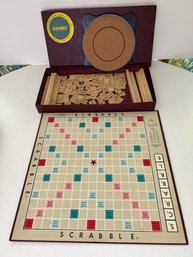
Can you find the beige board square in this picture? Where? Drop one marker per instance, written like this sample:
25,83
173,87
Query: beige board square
108,187
39,177
138,155
49,155
124,170
131,162
65,144
148,178
126,214
125,185
92,204
66,203
68,194
144,205
73,223
136,214
134,194
50,194
153,204
54,178
37,186
60,185
100,194
117,204
138,162
93,176
41,170
65,213
108,195
64,223
58,203
148,170
100,214
42,194
118,224
46,142
31,213
84,194
124,177
46,223
37,223
91,214
77,186
137,225
154,215
75,204
109,204
69,170
49,162
93,185
85,178
146,226
100,178
101,162
45,149
117,195
118,214
81,224
109,224
71,161
145,149
116,174
141,186
100,224
150,186
108,162
82,214
56,213
41,204
93,170
69,177
48,213
126,204
143,195
132,179
49,128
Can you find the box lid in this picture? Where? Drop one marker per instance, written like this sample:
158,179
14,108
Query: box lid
65,30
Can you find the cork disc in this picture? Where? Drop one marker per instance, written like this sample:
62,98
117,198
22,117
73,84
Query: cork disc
109,42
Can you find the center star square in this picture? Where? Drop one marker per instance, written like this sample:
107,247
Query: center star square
93,162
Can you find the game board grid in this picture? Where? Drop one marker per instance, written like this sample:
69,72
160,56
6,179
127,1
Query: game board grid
113,173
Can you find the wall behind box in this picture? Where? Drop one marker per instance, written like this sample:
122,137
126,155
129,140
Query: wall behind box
22,37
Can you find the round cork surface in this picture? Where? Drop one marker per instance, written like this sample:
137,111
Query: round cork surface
109,42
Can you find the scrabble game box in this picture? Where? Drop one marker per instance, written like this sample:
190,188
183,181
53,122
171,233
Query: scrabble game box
99,59
99,170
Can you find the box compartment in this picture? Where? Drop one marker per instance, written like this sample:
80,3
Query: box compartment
68,58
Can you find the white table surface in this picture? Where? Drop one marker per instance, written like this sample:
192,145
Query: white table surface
19,122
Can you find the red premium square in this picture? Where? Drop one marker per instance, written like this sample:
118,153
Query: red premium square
42,162
146,162
91,224
95,119
28,223
140,118
155,225
51,119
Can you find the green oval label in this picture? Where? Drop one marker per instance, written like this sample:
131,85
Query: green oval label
60,27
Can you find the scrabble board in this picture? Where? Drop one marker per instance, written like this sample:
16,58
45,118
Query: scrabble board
99,177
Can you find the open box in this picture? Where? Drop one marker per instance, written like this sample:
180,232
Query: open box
67,53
